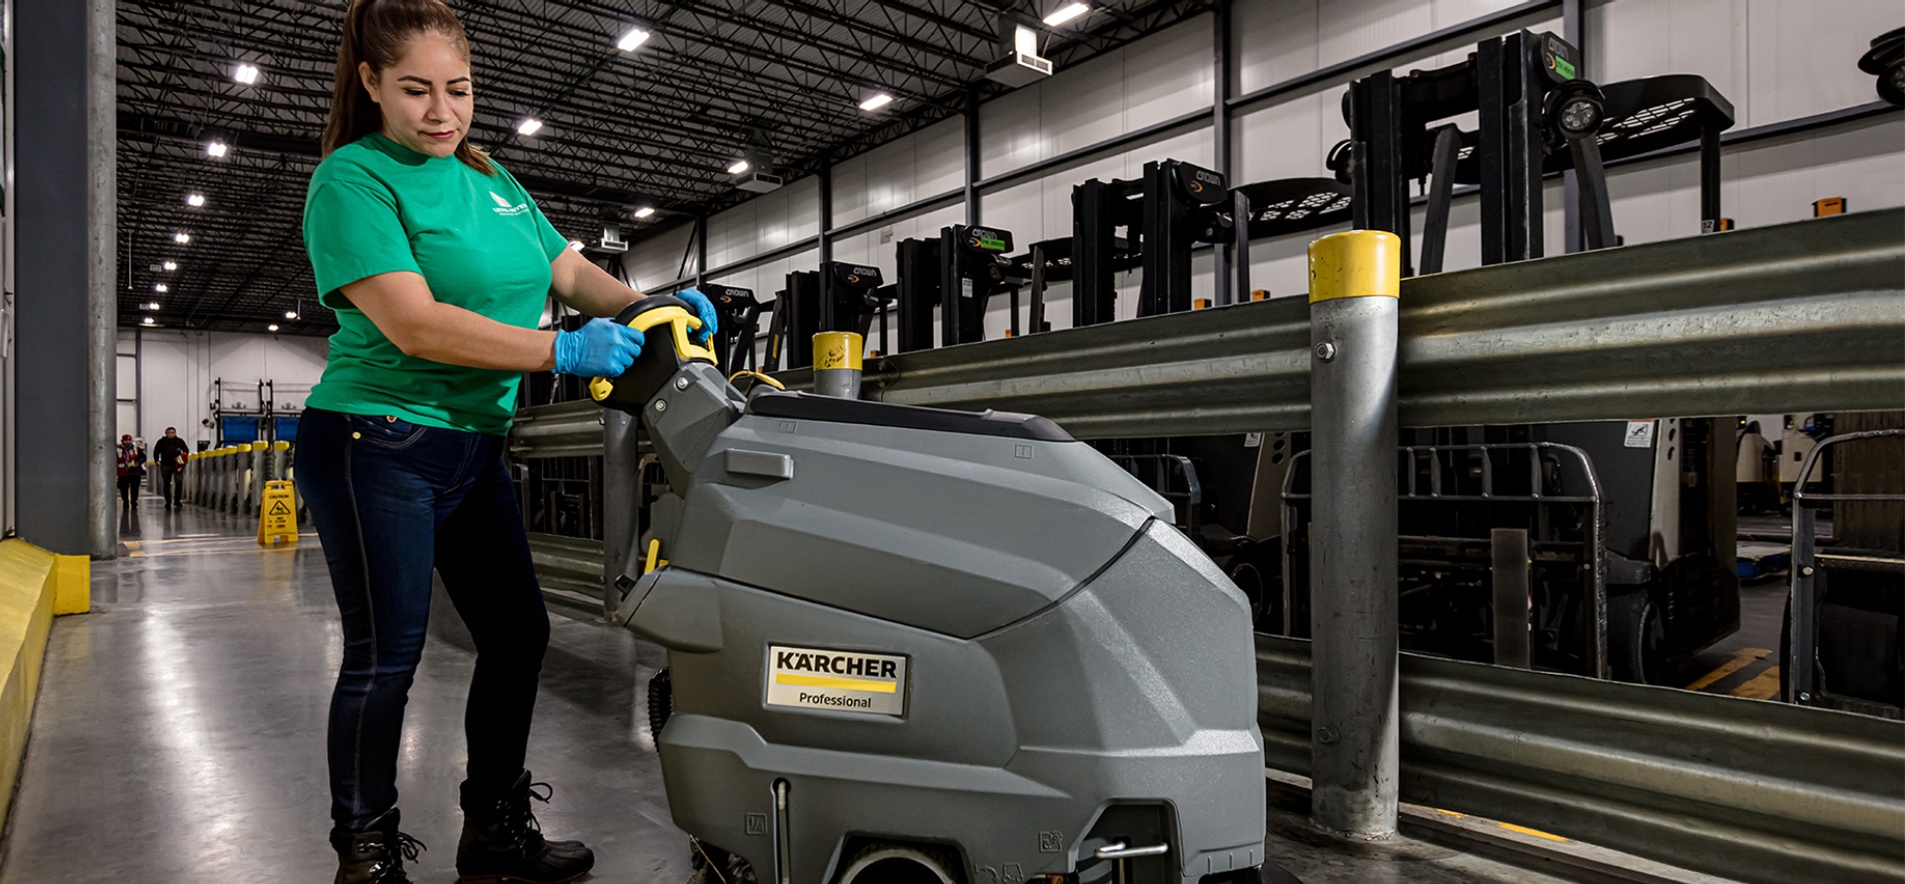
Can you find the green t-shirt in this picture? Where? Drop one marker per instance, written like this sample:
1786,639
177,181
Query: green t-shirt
479,241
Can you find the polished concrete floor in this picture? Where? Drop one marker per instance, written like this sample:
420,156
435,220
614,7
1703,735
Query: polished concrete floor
179,734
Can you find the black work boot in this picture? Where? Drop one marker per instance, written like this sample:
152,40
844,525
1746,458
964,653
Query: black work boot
502,843
375,853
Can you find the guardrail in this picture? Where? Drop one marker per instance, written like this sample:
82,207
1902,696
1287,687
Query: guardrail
1802,316
1747,789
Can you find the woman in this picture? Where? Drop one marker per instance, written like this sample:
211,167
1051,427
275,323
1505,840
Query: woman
438,265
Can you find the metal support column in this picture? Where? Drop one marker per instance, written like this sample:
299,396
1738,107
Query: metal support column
1224,254
826,207
1509,579
972,158
701,250
1354,279
621,494
64,182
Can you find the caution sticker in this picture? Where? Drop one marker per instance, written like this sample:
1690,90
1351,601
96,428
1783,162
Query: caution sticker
839,681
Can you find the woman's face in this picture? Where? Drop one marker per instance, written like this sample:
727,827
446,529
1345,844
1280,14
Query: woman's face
425,96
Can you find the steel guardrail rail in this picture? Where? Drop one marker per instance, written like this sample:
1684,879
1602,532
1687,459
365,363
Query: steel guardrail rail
1752,790
1802,316
1747,789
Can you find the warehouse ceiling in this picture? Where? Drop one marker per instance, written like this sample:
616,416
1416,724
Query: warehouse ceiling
657,127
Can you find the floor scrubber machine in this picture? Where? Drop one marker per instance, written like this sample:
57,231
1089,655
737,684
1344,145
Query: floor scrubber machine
917,645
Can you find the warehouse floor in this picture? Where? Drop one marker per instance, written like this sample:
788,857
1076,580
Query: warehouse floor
179,734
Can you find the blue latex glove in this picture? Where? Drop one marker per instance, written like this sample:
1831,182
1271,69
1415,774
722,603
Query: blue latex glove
704,308
601,348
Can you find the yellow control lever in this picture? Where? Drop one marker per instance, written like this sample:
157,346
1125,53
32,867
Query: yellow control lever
680,323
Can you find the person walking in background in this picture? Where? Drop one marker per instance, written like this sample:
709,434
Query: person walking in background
131,468
171,453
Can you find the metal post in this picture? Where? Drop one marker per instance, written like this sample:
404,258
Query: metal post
1354,278
1509,577
1223,255
826,208
102,302
621,495
837,360
972,157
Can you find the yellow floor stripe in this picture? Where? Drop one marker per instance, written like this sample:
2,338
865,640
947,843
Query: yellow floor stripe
1527,831
1740,659
847,684
1764,686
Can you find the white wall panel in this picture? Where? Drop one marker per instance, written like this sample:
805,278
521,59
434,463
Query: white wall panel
1018,208
850,190
179,368
1288,140
1082,106
940,157
657,259
890,176
1009,132
1273,42
803,208
1168,74
1803,56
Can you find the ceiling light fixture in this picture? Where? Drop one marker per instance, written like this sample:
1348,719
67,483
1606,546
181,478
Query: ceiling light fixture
529,127
290,314
635,37
149,305
644,211
739,167
181,238
876,102
246,74
195,200
148,321
1066,13
271,327
170,266
575,244
216,149
161,288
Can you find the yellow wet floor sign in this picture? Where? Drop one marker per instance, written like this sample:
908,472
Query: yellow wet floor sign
278,514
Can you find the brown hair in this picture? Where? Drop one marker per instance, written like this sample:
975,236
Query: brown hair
377,32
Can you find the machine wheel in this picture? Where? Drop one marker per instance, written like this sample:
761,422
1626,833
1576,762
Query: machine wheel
713,865
885,862
1634,638
661,702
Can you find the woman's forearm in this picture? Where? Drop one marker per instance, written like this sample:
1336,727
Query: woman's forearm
401,306
455,336
589,289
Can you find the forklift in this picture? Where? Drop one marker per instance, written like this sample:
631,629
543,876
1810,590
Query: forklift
1602,548
957,274
837,297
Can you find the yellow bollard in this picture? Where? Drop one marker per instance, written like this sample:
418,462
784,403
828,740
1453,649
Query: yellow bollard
278,514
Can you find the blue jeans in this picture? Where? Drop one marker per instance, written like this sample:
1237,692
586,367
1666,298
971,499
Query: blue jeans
392,501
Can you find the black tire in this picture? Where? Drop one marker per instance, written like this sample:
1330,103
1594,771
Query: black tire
661,703
1634,638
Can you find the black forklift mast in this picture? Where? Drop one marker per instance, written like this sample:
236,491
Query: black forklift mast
1165,214
957,273
837,297
1536,114
849,297
918,294
738,315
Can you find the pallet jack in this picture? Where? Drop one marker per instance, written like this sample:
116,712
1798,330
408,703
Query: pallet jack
918,645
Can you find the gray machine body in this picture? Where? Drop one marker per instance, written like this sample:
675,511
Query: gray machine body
1077,674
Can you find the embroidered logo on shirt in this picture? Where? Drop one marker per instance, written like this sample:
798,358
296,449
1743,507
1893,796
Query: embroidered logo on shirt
504,208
